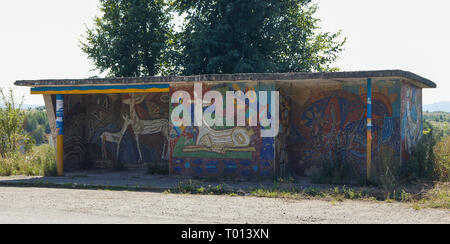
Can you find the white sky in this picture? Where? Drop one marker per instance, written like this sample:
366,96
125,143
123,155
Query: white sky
39,39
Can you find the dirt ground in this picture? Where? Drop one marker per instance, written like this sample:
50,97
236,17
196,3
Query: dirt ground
44,205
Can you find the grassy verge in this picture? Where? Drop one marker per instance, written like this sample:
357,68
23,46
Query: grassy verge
277,191
435,197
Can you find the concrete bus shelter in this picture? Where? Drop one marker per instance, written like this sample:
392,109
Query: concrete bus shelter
323,118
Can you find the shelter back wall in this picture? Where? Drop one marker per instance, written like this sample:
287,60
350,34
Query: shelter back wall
328,123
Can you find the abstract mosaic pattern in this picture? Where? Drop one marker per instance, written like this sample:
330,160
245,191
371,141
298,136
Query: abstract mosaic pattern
220,151
329,124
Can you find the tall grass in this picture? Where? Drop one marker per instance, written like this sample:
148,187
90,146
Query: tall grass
18,155
442,160
39,161
430,159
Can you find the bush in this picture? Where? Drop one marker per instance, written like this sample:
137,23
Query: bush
37,126
39,161
421,165
12,136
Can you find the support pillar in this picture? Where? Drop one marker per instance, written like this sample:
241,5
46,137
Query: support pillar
369,129
60,134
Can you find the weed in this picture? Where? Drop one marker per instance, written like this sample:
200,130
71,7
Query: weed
416,206
285,180
274,194
437,197
313,192
186,187
201,190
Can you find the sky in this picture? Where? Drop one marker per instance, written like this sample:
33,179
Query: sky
40,39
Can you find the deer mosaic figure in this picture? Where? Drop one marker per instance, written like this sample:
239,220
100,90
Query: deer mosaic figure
114,137
147,127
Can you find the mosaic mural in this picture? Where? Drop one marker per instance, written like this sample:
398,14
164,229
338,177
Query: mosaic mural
221,151
129,128
318,124
328,123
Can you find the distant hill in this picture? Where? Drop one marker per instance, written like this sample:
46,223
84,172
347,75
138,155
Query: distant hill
437,107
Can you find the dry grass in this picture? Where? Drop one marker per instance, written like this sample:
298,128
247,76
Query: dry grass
442,153
436,197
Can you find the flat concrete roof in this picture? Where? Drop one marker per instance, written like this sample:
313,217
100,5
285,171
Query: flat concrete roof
336,76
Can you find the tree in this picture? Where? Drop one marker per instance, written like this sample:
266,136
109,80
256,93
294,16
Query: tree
12,117
128,40
223,36
36,125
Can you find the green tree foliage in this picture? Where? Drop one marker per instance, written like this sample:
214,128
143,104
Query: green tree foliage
439,120
130,37
430,158
223,36
37,126
135,37
12,135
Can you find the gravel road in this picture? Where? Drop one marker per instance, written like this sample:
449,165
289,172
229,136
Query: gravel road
43,205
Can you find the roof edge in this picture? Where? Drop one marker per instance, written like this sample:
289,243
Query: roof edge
231,77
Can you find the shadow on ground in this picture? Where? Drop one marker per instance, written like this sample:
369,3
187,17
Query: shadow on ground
139,179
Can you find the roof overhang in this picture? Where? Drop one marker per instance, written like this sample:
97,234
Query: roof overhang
162,83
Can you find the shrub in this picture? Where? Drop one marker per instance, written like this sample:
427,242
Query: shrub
12,135
37,126
421,164
186,187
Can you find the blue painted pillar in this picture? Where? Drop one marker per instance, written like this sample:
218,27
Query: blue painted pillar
369,128
60,134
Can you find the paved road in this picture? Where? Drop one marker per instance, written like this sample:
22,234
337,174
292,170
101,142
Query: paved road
42,205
